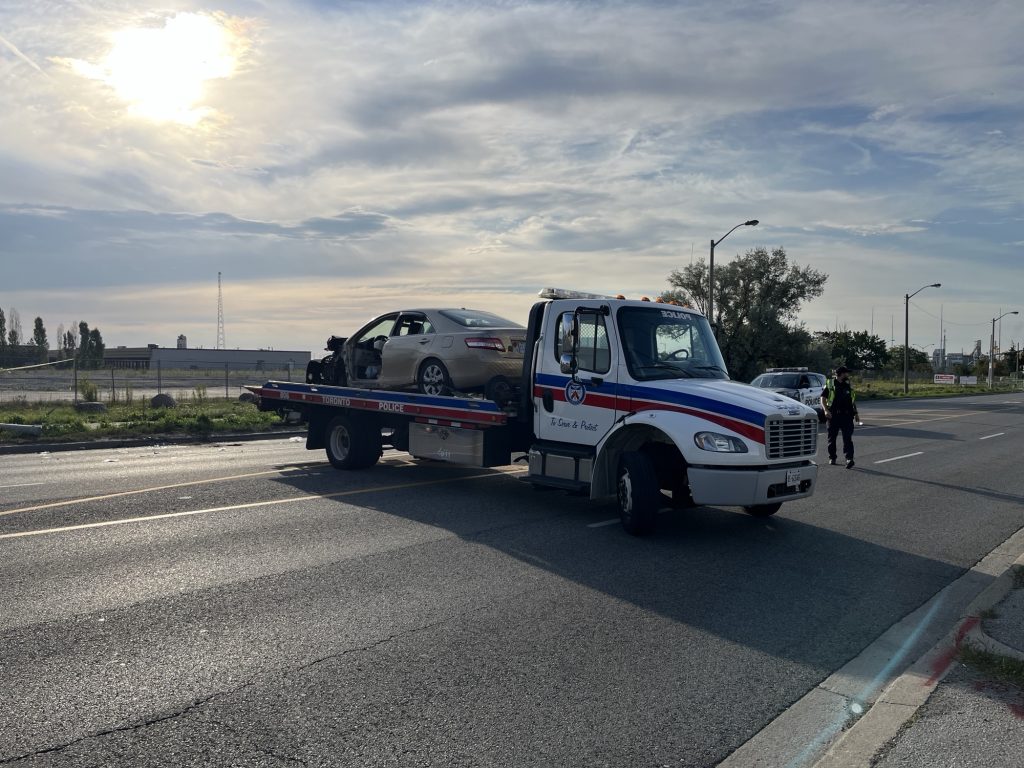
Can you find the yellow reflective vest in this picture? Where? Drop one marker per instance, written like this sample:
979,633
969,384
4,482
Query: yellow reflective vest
829,394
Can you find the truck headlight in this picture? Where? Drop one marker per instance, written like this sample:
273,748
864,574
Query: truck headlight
713,441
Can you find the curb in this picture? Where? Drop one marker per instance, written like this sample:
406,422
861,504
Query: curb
899,702
143,442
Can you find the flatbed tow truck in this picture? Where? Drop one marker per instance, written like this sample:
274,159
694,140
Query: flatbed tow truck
618,398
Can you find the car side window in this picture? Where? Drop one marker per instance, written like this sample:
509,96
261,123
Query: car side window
412,325
381,328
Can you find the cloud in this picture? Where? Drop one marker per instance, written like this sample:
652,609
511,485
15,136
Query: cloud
469,145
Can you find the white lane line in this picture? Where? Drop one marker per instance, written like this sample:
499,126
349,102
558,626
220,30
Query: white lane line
20,485
254,504
603,523
897,458
997,434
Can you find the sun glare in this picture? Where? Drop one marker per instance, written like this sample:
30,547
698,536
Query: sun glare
161,71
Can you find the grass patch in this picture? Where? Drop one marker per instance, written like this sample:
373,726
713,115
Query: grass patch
993,665
128,418
883,389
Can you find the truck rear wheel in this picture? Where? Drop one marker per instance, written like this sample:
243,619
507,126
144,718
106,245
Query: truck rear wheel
352,444
638,493
763,510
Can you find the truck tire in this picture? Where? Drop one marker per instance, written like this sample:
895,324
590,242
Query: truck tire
638,493
433,378
352,444
763,510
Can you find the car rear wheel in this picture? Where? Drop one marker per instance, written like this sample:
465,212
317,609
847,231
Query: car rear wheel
433,378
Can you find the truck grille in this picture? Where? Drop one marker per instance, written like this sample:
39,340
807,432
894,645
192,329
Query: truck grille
791,438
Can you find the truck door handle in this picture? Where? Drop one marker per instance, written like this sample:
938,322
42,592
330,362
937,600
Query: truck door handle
548,400
424,341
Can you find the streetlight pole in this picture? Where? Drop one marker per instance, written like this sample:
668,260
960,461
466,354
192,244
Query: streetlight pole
711,270
992,345
906,333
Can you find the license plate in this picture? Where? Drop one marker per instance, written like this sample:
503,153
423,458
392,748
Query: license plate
793,477
519,346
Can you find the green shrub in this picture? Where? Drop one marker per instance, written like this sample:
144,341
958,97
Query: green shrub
89,391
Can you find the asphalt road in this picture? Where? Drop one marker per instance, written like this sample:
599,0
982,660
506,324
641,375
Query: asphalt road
247,605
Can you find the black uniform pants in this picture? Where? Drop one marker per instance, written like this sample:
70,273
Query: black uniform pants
840,422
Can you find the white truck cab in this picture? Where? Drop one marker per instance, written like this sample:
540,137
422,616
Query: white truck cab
632,398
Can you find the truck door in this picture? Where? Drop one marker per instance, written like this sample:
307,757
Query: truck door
579,410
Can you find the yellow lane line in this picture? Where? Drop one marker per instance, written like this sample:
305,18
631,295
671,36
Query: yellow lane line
254,504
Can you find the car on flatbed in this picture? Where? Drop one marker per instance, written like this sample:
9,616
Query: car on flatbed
434,351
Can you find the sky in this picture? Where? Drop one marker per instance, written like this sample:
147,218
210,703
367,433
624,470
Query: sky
337,160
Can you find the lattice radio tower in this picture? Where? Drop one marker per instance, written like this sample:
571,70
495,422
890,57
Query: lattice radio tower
220,316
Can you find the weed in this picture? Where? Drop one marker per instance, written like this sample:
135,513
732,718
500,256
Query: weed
199,394
993,665
89,390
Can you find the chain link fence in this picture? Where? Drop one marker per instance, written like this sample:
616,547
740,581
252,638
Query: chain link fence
65,382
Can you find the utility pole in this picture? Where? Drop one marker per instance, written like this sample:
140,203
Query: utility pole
220,316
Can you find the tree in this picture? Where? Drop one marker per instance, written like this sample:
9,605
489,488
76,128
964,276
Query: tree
69,345
917,361
96,347
14,332
857,350
757,298
90,347
3,338
39,339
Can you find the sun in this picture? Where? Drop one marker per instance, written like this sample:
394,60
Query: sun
161,72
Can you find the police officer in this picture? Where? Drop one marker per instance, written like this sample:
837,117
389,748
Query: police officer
839,402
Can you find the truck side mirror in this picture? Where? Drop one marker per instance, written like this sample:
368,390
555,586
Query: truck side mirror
569,330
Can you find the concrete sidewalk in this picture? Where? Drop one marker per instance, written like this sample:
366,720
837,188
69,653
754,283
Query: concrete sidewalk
961,704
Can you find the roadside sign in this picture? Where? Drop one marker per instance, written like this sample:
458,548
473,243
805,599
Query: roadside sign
945,378
969,381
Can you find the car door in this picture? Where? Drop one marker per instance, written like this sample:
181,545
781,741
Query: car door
409,344
363,351
580,409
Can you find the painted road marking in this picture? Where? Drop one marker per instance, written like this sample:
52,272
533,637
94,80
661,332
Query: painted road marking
603,523
997,434
138,491
897,458
20,485
922,421
254,504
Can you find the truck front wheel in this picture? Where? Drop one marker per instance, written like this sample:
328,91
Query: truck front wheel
763,510
638,493
351,444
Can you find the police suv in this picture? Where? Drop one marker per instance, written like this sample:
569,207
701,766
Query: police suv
797,383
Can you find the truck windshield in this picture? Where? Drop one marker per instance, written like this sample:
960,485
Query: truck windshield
665,343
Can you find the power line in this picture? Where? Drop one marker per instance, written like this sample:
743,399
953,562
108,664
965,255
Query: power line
948,322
